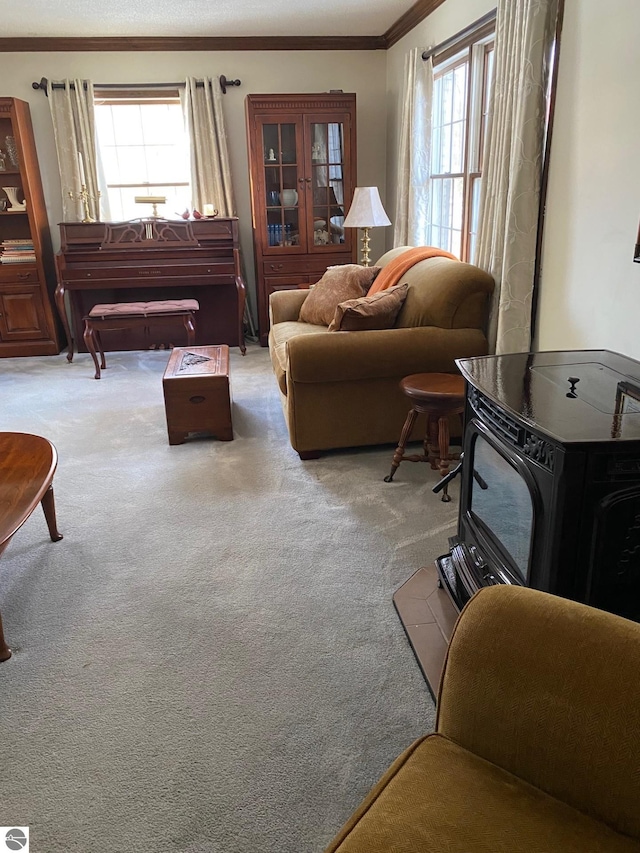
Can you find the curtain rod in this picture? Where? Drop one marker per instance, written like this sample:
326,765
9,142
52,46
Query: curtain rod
450,42
224,82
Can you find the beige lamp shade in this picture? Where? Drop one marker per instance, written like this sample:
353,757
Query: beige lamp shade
366,209
366,212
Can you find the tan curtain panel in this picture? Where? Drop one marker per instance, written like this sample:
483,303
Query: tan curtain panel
71,105
512,169
414,157
210,169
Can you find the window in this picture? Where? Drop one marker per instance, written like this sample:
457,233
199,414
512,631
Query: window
144,148
461,85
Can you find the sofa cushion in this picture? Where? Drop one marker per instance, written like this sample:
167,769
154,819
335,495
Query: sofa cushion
339,283
445,293
369,312
437,796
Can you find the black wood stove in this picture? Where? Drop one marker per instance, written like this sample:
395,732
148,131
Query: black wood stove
550,493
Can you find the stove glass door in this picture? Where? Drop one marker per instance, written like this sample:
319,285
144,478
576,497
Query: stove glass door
501,502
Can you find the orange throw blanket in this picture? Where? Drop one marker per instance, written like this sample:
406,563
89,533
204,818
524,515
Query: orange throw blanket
392,272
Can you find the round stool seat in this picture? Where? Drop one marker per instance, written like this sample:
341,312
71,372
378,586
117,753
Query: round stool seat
439,396
434,388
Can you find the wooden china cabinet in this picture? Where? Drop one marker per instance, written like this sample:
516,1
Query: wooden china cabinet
302,158
27,280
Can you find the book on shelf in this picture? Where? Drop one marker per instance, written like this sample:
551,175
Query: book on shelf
18,251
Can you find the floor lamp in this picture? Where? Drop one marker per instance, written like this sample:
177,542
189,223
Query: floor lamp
366,212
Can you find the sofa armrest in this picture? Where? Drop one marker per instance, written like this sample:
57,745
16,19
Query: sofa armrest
381,353
548,689
284,305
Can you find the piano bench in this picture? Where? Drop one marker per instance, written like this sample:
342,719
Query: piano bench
129,315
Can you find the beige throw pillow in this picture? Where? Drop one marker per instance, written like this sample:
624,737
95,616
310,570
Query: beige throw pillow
370,312
339,283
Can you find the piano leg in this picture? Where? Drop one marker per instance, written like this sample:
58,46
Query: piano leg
62,311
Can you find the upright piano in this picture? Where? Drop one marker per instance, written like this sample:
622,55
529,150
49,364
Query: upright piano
147,259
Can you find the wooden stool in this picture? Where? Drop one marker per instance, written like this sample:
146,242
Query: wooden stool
437,395
128,315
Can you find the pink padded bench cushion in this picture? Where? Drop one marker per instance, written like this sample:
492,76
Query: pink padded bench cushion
143,309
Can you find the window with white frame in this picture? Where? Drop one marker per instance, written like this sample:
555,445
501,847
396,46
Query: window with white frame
461,86
144,149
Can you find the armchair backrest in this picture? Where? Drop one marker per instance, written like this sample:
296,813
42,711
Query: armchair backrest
549,689
443,292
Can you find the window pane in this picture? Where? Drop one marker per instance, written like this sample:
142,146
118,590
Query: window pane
447,97
445,151
162,122
475,208
460,93
144,145
457,146
127,125
436,159
132,165
104,125
446,213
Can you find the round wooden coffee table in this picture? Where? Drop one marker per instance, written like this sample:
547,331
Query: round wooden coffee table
27,465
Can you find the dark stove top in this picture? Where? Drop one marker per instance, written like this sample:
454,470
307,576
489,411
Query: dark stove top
572,396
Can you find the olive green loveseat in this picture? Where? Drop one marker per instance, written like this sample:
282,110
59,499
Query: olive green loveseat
341,389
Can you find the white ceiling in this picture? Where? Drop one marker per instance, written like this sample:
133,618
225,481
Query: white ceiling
41,18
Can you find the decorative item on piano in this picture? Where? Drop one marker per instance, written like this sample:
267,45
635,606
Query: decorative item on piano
154,200
84,195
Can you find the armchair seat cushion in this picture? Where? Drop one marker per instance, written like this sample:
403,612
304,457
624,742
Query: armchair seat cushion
438,796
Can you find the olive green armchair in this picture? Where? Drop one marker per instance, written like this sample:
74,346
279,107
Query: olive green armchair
537,740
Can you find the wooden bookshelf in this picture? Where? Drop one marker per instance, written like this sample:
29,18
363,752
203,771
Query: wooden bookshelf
28,325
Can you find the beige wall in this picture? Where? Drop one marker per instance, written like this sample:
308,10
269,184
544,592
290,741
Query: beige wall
362,72
590,288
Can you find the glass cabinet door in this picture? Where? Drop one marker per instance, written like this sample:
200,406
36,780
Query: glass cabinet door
326,144
283,183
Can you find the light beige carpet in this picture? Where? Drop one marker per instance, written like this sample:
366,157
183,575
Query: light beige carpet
210,659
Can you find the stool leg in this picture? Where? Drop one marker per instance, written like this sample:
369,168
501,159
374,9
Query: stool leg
432,441
90,345
190,326
443,445
425,443
399,453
